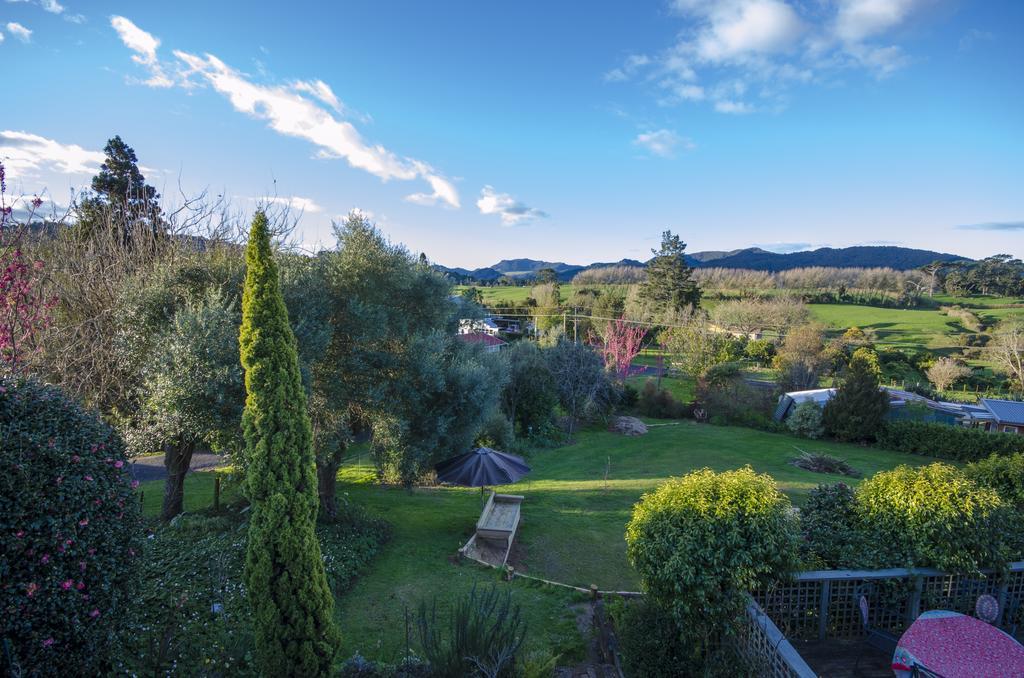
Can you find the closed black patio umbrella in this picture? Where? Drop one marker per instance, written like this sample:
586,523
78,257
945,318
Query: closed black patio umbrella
482,467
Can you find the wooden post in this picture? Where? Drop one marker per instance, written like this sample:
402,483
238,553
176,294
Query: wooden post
914,609
593,592
216,493
826,589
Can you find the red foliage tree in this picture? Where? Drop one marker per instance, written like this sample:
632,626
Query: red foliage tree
621,344
24,311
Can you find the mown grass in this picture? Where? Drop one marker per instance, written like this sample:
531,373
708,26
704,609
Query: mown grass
578,500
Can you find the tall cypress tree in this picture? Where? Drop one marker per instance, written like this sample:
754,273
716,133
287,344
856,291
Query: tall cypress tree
284,573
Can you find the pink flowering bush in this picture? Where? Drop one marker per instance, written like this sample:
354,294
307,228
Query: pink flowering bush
70,533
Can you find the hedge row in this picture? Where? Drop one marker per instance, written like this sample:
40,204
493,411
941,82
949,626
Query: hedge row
947,442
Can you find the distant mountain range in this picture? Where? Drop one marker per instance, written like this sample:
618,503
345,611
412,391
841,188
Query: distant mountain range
754,258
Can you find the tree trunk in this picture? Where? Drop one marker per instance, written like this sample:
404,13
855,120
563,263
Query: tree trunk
327,483
177,459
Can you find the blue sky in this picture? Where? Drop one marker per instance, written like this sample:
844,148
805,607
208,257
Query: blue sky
564,131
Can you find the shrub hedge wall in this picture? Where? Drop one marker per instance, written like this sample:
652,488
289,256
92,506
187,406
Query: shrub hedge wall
947,442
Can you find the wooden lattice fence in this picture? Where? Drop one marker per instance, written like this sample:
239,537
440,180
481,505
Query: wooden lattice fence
822,605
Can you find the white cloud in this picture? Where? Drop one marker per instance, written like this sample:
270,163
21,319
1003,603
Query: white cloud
24,153
662,142
858,20
321,90
288,112
973,37
733,29
1,37
628,68
144,45
19,31
52,6
734,107
511,211
300,204
768,46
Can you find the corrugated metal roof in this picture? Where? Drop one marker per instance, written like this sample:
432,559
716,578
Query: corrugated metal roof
1010,411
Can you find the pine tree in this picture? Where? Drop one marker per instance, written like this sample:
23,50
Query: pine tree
670,285
121,199
857,411
284,573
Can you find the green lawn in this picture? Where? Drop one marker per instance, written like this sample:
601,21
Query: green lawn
572,529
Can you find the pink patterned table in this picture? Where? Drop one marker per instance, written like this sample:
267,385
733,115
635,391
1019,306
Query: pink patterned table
952,645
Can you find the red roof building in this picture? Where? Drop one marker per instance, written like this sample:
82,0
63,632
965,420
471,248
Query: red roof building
491,343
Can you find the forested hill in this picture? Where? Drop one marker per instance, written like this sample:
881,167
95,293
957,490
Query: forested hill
900,258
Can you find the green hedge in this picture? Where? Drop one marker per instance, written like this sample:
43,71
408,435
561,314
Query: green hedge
1004,474
947,442
933,516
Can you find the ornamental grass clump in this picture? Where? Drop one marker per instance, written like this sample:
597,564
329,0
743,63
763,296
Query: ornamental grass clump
702,541
933,516
292,604
70,534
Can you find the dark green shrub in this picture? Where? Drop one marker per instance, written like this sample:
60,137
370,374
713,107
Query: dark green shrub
483,635
651,642
497,432
530,397
735,401
700,542
805,421
658,403
858,409
628,396
829,528
947,442
933,516
70,533
1004,474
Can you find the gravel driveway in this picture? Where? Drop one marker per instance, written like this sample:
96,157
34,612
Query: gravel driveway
152,468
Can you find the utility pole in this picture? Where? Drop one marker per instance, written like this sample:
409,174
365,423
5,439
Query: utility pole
575,325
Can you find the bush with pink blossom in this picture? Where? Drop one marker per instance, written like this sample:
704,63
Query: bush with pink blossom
70,533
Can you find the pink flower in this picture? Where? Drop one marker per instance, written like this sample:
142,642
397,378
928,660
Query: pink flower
32,588
45,559
48,642
135,483
19,534
83,522
118,464
95,613
75,458
80,585
66,584
81,565
60,479
89,478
